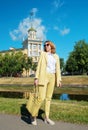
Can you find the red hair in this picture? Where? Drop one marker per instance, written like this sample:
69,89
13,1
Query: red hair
53,49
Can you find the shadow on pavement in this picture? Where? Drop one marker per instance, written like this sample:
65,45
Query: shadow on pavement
26,116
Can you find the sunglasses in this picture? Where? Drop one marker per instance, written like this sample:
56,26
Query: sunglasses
46,45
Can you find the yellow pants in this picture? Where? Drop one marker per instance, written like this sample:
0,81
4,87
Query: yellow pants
44,93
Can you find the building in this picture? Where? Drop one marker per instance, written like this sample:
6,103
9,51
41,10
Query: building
32,47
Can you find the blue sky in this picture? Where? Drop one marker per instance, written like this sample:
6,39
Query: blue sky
62,21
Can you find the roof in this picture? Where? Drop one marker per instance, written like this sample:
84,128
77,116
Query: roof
4,51
31,29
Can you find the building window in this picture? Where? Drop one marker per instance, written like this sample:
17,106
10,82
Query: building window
35,58
30,53
39,46
39,53
34,46
30,46
34,53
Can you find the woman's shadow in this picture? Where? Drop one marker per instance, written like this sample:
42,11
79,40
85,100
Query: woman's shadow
26,116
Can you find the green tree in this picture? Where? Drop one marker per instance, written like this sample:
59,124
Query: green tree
78,58
81,56
62,65
34,66
11,64
5,64
71,64
1,64
28,64
19,60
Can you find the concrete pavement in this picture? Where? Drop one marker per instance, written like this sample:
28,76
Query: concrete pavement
14,122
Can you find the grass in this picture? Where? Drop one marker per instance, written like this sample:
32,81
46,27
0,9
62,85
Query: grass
16,87
28,80
16,80
68,111
75,80
25,83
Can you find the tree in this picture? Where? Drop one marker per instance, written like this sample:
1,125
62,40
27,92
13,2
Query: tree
5,64
11,64
78,58
34,66
62,64
71,64
28,64
19,63
1,64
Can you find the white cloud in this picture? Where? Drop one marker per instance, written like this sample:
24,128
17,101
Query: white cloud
57,4
56,28
22,30
65,31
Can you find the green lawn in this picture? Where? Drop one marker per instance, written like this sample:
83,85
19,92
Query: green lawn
68,111
81,79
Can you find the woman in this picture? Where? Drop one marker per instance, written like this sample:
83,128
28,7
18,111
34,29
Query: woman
47,74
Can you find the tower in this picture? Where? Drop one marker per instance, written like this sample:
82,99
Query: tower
32,44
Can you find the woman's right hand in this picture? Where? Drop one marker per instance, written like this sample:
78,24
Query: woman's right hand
36,82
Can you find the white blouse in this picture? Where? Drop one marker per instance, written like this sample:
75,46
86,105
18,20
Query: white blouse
51,62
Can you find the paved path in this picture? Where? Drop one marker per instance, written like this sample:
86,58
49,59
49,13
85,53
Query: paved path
10,122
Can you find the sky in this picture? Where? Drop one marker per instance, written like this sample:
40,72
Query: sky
64,22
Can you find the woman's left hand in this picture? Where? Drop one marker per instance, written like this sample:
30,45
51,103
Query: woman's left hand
59,85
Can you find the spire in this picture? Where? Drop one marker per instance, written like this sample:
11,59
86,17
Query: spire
31,17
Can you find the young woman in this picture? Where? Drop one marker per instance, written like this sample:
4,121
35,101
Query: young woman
47,76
